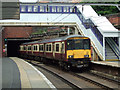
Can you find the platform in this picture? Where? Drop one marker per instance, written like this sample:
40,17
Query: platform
17,73
108,63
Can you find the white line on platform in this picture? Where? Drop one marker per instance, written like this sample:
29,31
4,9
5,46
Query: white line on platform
43,76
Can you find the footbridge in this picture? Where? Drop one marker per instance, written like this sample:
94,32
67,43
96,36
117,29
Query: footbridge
105,39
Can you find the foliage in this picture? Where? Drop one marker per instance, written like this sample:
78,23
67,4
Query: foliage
105,10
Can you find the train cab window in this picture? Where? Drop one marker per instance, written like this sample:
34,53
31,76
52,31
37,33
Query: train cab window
23,9
86,44
70,44
29,8
35,9
57,47
78,44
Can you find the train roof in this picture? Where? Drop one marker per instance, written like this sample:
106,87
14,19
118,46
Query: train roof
53,40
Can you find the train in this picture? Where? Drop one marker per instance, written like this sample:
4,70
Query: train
67,51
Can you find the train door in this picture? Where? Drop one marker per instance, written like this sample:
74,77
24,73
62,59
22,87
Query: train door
62,51
53,50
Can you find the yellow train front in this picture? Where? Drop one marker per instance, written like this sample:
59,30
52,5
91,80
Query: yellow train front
78,51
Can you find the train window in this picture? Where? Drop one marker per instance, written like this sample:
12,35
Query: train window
23,9
86,44
29,8
78,44
70,44
49,47
36,48
40,47
35,9
24,48
57,47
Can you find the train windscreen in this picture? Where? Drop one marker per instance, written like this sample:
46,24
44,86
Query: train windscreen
75,44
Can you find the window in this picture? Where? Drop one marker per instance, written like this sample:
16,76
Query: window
86,44
48,47
70,44
59,9
40,47
41,8
29,8
23,9
35,9
57,47
66,9
53,9
24,48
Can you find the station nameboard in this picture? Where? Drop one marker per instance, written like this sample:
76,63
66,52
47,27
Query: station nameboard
9,10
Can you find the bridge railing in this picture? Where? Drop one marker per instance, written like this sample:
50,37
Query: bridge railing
88,24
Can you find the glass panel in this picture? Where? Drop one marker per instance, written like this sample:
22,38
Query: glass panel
53,9
86,44
78,44
41,8
57,47
35,9
29,8
59,9
50,47
70,44
23,9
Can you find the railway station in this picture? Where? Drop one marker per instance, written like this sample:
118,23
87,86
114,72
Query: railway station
58,45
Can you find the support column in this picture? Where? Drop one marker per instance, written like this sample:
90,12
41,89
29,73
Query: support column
119,45
68,31
76,31
103,48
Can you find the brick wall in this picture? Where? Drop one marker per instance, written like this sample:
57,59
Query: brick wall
114,19
17,32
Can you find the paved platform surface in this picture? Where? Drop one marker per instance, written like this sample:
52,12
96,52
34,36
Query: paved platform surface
108,63
20,74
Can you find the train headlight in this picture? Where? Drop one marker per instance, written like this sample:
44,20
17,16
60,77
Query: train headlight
70,56
86,56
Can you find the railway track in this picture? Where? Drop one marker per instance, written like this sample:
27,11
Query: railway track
78,80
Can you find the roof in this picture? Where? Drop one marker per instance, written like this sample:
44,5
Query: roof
53,40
